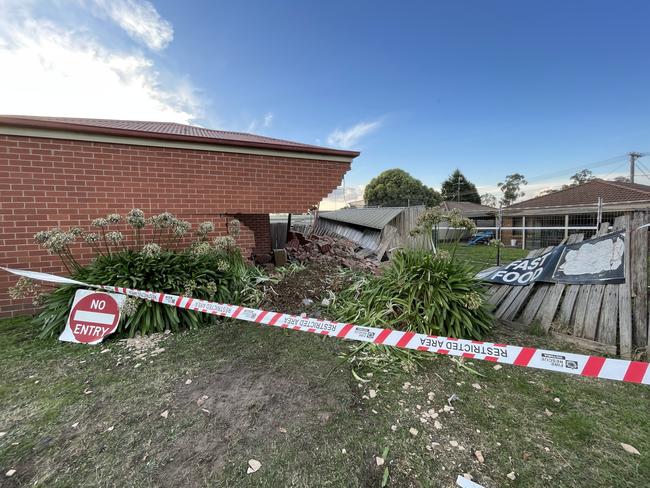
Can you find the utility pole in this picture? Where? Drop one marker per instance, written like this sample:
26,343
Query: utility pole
633,157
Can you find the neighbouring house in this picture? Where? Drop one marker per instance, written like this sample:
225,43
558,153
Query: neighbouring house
547,219
62,172
376,230
482,215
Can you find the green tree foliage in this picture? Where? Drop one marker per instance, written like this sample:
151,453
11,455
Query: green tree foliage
397,188
511,188
489,200
458,188
582,176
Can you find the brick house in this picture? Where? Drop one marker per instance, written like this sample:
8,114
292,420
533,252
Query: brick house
63,172
549,218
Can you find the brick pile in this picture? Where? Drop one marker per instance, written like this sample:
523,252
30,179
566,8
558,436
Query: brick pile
328,250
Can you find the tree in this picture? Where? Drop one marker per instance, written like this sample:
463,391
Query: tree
459,188
622,179
511,188
488,200
582,176
397,188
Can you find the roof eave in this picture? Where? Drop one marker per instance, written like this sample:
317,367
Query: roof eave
88,129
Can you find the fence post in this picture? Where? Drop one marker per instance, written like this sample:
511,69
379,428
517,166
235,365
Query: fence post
566,226
639,279
523,232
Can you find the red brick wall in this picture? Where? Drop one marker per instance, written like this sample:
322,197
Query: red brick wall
47,183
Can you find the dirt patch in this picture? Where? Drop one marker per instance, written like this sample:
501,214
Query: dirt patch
242,405
313,283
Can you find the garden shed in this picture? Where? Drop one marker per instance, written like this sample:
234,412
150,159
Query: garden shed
376,230
64,172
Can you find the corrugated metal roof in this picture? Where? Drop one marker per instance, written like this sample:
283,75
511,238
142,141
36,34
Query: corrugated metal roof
374,218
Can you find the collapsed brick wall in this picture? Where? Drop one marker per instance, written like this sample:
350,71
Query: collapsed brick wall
47,183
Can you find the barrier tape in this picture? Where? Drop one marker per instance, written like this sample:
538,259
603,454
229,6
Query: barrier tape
562,362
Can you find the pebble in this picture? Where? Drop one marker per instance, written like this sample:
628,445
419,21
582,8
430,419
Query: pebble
476,386
379,460
10,473
188,382
479,457
497,367
413,431
453,443
253,465
372,393
165,414
556,400
511,475
437,425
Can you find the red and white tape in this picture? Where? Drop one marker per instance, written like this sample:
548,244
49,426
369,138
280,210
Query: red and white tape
562,362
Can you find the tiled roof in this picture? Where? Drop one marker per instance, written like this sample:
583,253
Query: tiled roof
468,209
165,130
374,218
588,193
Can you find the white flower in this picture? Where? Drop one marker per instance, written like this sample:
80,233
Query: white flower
204,229
114,237
224,243
234,228
181,227
135,218
100,222
91,238
114,218
150,249
163,220
130,306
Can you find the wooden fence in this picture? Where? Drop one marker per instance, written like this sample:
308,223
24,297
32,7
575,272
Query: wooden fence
610,318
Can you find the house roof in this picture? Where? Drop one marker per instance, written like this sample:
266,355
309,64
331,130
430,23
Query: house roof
171,131
468,209
588,194
373,218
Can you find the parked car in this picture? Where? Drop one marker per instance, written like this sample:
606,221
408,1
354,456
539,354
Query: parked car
483,237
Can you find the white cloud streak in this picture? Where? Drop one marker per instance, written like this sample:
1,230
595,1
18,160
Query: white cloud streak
257,125
140,20
51,69
347,139
342,196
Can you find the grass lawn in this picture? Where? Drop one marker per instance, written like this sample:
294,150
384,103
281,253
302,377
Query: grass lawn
74,415
482,256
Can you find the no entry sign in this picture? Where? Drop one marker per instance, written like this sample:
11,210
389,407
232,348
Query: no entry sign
93,316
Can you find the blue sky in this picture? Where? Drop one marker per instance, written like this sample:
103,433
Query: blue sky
541,88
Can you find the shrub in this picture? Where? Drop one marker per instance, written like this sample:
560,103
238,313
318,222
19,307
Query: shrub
221,277
420,292
216,272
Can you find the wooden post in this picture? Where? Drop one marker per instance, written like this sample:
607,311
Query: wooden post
523,232
639,279
624,297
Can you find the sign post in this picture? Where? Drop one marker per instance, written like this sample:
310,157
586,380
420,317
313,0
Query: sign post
93,316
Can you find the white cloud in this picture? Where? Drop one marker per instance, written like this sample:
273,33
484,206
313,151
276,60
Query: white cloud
140,19
52,69
256,125
342,196
349,138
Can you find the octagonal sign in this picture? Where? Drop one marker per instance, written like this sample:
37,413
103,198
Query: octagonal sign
93,316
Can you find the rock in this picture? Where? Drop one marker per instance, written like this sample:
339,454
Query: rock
437,425
547,412
413,431
372,393
630,449
326,302
479,457
556,400
511,475
188,382
453,443
75,425
165,414
10,473
253,466
497,367
379,461
393,428
343,451
476,386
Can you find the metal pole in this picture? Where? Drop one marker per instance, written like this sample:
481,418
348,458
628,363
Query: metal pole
566,226
599,214
500,218
523,232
